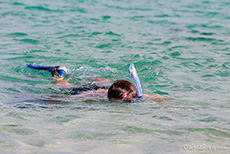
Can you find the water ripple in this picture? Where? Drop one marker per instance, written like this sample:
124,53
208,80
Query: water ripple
180,48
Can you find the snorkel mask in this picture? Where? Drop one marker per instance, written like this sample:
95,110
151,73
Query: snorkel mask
61,72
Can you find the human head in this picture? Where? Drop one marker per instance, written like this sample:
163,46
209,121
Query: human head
122,90
60,72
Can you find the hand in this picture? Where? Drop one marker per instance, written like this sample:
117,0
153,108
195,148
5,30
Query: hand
156,97
62,83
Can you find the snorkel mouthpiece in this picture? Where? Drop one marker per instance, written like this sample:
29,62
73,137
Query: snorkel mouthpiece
134,76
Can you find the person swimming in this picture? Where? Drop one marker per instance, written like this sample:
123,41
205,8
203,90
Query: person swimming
119,90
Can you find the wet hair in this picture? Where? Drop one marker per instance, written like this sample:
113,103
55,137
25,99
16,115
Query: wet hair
120,89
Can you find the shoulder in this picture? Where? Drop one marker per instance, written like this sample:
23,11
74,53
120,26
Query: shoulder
100,93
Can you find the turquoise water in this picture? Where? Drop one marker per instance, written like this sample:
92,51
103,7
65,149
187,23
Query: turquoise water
179,47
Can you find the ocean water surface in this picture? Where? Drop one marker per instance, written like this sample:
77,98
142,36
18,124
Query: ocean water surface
180,48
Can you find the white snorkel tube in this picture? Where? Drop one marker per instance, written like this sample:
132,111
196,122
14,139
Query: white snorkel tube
134,76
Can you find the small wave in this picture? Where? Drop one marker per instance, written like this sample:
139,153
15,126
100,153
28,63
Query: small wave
32,51
95,34
17,3
18,130
212,131
212,14
165,43
208,75
112,33
135,18
69,35
214,27
161,22
104,46
177,47
203,39
81,10
39,8
202,33
18,34
175,54
91,69
209,119
162,15
207,33
223,73
31,41
128,8
105,17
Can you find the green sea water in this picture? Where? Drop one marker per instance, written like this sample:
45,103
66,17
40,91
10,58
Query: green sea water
180,48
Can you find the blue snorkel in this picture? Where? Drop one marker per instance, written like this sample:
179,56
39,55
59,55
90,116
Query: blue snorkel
38,67
54,70
134,76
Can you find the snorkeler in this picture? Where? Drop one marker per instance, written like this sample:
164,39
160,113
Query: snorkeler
119,90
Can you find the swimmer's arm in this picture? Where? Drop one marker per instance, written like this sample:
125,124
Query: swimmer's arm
155,97
94,93
101,81
62,83
98,80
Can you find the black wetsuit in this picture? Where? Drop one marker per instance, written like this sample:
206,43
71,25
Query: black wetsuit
79,90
